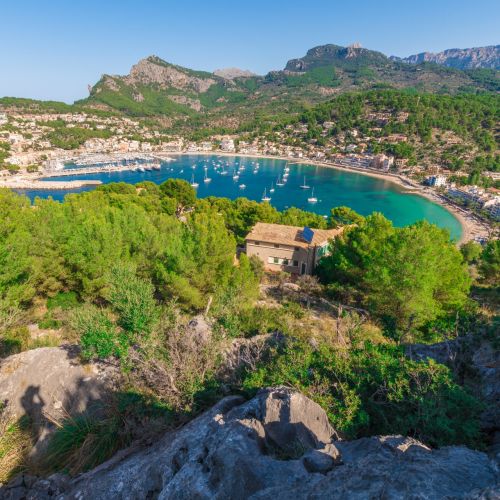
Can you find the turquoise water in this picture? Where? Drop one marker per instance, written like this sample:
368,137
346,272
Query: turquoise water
331,187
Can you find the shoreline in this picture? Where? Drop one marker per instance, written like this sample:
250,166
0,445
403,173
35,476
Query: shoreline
471,227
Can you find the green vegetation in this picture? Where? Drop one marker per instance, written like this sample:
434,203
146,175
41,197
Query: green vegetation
405,276
123,269
471,118
71,138
376,390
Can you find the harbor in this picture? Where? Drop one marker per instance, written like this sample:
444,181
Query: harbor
234,177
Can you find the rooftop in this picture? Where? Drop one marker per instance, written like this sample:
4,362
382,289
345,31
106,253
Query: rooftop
289,235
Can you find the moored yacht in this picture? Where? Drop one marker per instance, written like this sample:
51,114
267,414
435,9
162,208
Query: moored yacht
265,197
312,198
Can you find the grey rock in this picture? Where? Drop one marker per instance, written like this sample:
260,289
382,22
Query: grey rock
49,383
226,453
476,57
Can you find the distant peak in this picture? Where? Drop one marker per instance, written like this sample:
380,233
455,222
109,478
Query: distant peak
232,73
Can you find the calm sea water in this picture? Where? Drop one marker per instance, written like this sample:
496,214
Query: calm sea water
331,187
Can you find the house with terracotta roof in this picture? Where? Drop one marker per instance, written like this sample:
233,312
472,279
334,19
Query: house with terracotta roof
295,250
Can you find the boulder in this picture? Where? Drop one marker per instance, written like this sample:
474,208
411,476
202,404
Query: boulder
52,381
235,451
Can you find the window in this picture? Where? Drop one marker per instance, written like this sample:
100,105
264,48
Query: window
256,242
281,262
295,263
297,249
276,245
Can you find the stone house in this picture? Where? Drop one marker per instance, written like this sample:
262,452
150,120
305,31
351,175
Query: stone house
295,250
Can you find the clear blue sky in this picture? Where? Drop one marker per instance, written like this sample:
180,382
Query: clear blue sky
52,49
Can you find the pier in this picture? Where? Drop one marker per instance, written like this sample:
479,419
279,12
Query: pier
93,170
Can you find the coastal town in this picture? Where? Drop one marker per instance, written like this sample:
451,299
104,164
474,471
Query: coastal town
32,150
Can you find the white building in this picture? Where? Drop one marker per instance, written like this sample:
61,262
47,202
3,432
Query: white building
3,119
436,180
227,145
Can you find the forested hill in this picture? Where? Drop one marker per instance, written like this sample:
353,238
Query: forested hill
453,131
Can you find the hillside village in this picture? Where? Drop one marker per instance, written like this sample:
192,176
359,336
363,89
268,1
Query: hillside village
37,143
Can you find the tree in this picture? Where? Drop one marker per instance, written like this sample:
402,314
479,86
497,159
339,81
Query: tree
490,263
471,251
405,276
180,190
343,216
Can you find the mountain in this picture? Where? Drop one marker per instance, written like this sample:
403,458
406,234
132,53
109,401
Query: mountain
229,97
347,57
474,58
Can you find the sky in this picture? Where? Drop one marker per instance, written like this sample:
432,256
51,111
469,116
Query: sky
53,49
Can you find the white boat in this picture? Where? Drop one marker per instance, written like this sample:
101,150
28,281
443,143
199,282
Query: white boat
206,180
193,183
182,171
223,171
265,197
304,186
236,177
141,169
242,186
280,182
271,190
287,168
312,198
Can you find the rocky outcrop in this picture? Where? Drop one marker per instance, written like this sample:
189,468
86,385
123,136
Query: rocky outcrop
188,101
153,70
279,445
477,57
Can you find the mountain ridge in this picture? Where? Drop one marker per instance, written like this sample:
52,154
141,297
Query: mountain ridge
487,57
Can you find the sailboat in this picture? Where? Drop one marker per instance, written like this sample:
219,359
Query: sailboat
279,182
312,198
271,190
236,176
304,186
206,179
265,197
242,186
193,183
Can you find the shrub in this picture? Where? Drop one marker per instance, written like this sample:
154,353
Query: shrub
63,300
99,337
132,299
82,442
376,390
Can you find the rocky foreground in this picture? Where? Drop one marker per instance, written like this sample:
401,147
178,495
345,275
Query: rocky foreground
278,445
